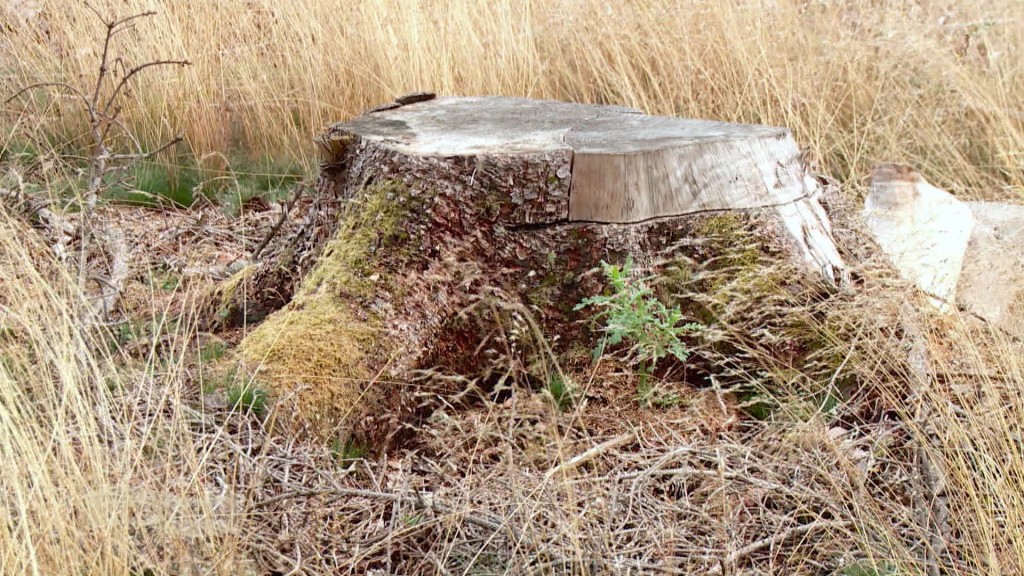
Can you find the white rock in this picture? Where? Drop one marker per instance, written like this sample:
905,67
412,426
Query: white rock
923,230
970,254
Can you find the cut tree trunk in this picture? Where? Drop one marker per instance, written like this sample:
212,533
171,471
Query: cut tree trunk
427,211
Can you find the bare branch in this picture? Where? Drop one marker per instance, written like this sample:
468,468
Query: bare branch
590,454
737,555
97,13
102,74
64,85
147,155
123,22
115,121
285,210
113,27
136,70
119,269
112,119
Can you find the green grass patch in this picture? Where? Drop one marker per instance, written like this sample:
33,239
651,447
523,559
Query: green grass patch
346,453
154,183
184,181
249,398
562,392
212,351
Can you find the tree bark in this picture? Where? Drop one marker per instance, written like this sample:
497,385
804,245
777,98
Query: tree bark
428,210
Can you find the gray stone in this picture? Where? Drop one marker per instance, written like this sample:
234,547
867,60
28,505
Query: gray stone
964,254
923,230
992,279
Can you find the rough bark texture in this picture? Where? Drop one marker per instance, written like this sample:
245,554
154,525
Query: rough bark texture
430,213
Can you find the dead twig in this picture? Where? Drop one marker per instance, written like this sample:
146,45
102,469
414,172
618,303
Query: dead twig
932,502
590,454
119,270
64,85
736,556
285,210
419,500
39,214
146,155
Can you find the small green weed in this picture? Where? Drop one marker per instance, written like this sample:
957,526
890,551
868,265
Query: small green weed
633,315
758,405
561,391
141,329
248,397
212,350
215,378
129,331
412,519
346,453
648,394
164,279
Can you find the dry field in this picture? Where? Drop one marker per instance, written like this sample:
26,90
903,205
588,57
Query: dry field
124,452
934,84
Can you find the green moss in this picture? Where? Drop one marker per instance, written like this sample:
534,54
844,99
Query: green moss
722,223
544,294
317,345
555,275
767,338
316,351
373,239
731,265
492,203
733,242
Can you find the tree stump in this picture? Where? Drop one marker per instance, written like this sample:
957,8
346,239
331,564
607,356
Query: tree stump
428,213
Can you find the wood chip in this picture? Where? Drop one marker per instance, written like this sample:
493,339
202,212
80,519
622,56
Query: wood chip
414,97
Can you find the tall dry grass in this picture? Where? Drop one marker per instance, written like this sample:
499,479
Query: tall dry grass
934,84
103,468
107,467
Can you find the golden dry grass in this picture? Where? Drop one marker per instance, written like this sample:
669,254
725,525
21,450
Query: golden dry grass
933,84
103,470
87,439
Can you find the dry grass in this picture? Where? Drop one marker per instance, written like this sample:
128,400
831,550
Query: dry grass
88,438
111,464
933,84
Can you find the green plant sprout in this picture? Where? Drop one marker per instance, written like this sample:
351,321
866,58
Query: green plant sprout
248,398
633,315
